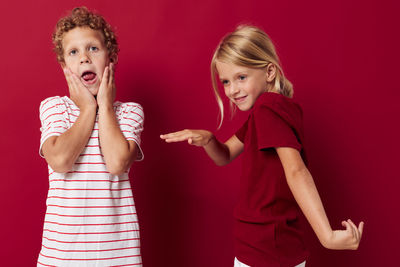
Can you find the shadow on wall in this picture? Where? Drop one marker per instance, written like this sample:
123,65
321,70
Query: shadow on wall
157,183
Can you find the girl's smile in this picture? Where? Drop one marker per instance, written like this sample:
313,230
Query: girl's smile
240,99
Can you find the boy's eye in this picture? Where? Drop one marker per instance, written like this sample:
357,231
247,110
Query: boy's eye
93,48
73,52
224,82
242,77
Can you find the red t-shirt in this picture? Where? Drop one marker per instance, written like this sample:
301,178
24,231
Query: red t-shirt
267,230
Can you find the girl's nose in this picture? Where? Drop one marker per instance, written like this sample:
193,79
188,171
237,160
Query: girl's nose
234,89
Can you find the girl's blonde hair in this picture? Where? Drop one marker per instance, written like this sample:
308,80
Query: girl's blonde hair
250,47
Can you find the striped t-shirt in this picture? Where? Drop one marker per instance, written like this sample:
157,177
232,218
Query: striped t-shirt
91,217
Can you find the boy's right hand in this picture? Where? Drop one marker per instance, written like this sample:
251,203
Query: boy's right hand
81,96
193,137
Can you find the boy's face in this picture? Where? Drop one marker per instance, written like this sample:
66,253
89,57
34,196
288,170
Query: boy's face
86,55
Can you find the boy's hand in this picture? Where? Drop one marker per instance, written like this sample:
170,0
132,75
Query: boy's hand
346,239
78,92
193,137
106,94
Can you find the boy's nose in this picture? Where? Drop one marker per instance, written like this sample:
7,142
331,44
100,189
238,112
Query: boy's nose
85,59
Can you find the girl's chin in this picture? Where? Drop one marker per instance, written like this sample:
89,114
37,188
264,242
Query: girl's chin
243,107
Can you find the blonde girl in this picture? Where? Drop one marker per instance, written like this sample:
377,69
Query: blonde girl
275,185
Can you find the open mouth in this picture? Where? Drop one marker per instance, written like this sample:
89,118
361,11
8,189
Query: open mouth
89,77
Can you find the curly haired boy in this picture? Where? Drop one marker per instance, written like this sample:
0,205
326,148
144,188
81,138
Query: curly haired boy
89,142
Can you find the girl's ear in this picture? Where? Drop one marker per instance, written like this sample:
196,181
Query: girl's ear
271,72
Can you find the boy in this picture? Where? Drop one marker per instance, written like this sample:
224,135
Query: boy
89,143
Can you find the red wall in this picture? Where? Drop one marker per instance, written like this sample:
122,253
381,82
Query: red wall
342,57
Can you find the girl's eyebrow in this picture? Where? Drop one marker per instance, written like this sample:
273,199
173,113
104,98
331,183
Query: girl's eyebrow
240,73
221,78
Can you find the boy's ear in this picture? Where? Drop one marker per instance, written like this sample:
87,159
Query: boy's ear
271,72
114,59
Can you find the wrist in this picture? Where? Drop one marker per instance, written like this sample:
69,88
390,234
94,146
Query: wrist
327,240
210,139
88,109
106,106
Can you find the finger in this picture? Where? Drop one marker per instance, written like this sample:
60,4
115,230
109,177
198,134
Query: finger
183,136
349,231
111,75
170,135
67,74
167,136
190,141
76,81
111,78
104,79
177,139
354,228
347,226
361,228
71,86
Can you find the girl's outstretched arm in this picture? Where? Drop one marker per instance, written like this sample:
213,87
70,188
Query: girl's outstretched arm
305,192
220,153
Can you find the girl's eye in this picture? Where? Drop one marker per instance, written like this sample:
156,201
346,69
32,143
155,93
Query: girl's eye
93,48
225,82
73,52
242,77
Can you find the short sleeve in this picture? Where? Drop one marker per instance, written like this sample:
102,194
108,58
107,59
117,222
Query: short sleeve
131,120
273,131
52,117
241,133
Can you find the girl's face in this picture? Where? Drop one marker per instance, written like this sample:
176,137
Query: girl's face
86,55
242,85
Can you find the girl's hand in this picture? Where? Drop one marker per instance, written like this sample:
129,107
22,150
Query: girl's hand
193,137
346,239
106,94
81,96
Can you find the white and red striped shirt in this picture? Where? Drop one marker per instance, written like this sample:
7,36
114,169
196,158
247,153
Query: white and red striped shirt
91,217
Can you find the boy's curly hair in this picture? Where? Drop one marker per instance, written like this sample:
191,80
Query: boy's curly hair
80,17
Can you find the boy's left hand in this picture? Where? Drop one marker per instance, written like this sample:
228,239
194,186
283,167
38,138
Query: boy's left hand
106,94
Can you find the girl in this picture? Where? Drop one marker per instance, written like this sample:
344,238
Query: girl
275,182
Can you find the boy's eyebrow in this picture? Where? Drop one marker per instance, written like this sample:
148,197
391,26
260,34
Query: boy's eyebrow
94,41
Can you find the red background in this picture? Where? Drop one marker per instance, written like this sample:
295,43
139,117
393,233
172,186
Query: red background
342,57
